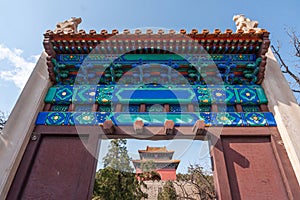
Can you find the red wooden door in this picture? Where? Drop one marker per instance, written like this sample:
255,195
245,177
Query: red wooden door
253,167
56,165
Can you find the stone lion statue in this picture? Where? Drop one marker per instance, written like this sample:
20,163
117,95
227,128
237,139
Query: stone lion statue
244,23
70,24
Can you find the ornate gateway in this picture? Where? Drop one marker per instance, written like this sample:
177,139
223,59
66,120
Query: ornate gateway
156,84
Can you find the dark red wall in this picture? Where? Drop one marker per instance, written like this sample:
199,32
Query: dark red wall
56,166
249,163
252,168
167,174
252,163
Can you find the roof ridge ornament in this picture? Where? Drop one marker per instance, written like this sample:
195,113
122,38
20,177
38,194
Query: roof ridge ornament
245,24
69,25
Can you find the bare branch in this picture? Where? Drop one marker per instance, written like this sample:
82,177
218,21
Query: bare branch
3,119
285,66
295,41
182,187
294,90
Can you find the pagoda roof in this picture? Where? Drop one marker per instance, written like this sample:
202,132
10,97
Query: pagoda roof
156,150
157,161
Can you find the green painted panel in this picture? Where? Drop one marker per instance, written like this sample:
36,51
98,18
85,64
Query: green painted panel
50,95
261,95
238,100
151,118
196,94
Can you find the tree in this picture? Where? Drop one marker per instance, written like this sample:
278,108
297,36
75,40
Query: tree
148,171
292,72
168,192
117,180
148,166
203,182
117,156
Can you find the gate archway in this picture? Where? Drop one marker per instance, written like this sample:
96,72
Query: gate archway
248,158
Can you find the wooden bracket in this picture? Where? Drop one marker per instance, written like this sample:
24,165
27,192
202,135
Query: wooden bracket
138,126
108,127
214,107
199,128
166,108
143,107
239,108
95,107
169,127
264,108
71,107
118,108
47,107
191,108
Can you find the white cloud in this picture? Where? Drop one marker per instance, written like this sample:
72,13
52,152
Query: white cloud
19,67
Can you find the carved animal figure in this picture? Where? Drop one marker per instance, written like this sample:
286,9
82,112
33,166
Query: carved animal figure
245,24
70,24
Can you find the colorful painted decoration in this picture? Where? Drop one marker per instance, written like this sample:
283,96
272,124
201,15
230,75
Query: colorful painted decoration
88,74
171,94
75,58
211,72
192,68
59,94
157,119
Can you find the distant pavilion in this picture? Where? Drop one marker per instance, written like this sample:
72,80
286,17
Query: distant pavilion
165,166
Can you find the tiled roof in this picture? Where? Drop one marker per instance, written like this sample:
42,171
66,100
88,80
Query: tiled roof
156,150
83,42
115,43
157,161
104,34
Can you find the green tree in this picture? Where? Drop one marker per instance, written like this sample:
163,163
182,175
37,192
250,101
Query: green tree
148,166
117,180
168,192
148,171
117,156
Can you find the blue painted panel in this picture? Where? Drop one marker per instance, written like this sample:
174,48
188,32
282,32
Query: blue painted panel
71,118
231,119
270,119
154,119
255,119
152,94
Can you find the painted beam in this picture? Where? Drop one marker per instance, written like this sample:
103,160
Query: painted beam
231,119
156,58
109,68
156,94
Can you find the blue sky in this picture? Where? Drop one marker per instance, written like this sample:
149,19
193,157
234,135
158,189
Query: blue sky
189,152
24,22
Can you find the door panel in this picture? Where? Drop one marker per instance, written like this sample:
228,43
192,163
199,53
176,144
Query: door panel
56,167
252,168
